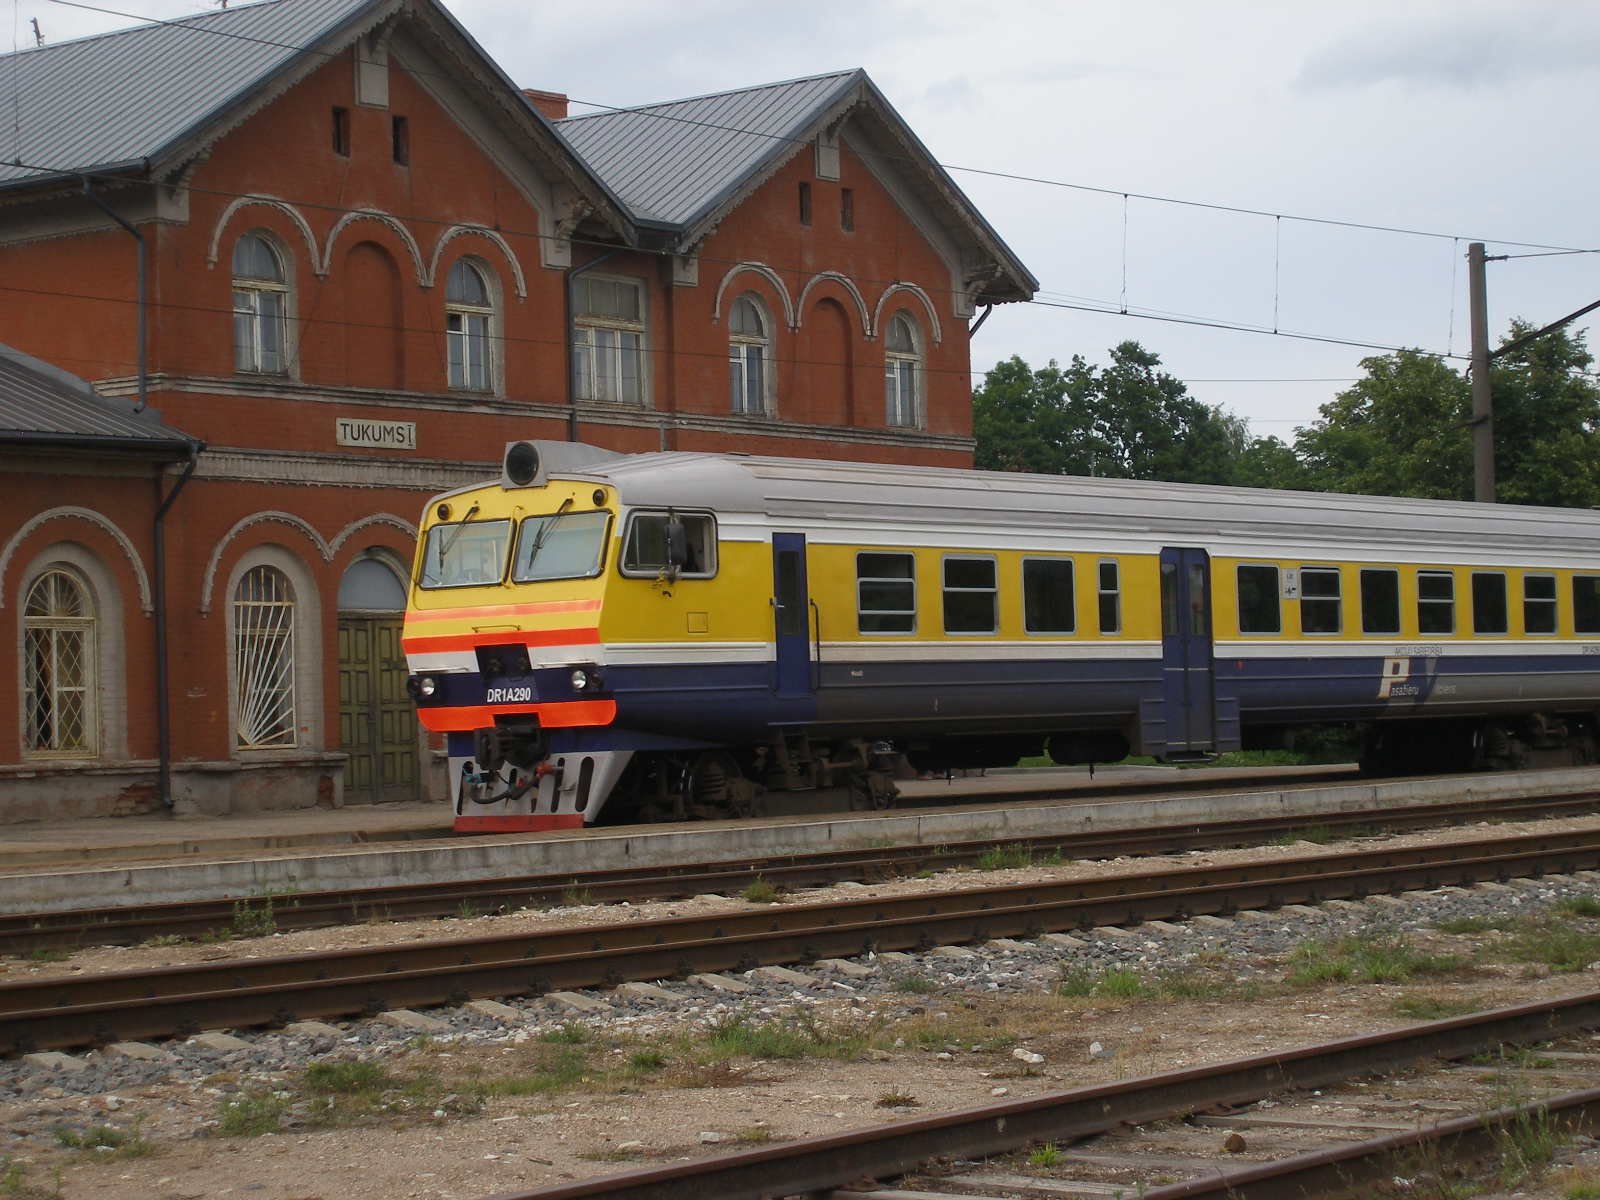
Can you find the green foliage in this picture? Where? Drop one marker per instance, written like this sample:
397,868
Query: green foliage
647,1060
573,1033
739,1035
347,1077
252,922
917,985
1380,956
560,1069
43,955
897,1100
1319,835
1472,924
1114,983
250,1114
575,897
1554,945
1044,1156
1431,1008
1577,906
761,891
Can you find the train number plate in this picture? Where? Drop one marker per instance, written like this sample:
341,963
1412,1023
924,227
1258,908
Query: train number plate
508,695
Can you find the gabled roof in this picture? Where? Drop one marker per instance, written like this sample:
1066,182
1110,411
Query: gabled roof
146,100
682,165
42,405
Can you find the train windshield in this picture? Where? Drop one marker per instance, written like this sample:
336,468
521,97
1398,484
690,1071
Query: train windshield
560,546
464,554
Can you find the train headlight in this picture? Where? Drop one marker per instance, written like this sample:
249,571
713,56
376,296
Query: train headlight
585,679
422,685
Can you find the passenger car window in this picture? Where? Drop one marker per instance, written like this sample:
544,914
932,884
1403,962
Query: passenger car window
1586,604
1436,602
886,592
1489,602
1169,599
1319,600
560,546
464,554
970,594
1110,596
1538,603
1380,600
647,549
1047,605
1259,610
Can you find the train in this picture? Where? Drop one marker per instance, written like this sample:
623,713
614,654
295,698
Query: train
671,636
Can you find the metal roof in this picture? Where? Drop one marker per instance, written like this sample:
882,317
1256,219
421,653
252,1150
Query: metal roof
672,162
43,405
118,98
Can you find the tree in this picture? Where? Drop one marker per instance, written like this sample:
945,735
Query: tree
1023,420
1546,422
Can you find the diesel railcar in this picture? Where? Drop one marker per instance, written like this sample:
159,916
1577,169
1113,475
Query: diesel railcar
672,635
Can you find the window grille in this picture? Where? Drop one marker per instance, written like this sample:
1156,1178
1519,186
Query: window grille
608,340
748,348
259,296
263,641
902,371
59,668
469,316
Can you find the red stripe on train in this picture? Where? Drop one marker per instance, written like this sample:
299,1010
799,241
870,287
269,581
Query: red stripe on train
562,714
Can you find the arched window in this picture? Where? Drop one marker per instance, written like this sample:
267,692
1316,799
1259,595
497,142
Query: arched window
263,647
259,301
58,667
902,371
749,346
469,312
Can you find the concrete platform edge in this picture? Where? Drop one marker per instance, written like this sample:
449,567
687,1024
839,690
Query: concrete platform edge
551,854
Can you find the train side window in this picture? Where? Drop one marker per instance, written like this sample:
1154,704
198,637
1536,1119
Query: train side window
1109,588
971,594
886,592
646,550
1047,602
1489,603
1259,610
1380,600
1538,604
1319,600
1586,604
1436,602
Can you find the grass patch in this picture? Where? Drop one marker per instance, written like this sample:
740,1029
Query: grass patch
577,898
1557,946
917,985
755,1135
1044,1156
573,1033
1381,956
738,1035
1577,906
347,1077
647,1060
761,891
251,922
1512,1056
250,1114
1114,983
556,1071
897,1100
1077,982
1431,1008
43,955
1577,1183
1319,835
1526,1143
1181,984
1474,924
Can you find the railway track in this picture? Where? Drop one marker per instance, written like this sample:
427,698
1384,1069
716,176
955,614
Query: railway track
23,933
87,1009
947,1150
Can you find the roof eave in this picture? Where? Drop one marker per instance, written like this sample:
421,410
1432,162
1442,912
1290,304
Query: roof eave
134,169
159,449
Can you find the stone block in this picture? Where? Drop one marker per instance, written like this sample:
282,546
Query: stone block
1164,927
843,966
220,1042
1383,901
54,1060
1490,886
1556,877
577,1002
494,1010
783,975
142,1051
1114,931
1064,941
952,952
721,983
646,991
1211,922
1252,914
1006,944
413,1022
1303,910
1344,905
312,1029
896,956
1528,885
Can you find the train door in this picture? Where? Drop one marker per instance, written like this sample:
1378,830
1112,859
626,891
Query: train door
790,614
1190,706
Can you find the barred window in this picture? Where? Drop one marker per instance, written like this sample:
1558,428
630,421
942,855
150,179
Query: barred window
263,647
260,293
468,322
58,629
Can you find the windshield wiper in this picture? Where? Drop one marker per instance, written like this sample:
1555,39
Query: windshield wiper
544,533
450,539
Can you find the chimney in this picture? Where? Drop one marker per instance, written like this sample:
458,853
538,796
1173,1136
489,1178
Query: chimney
551,104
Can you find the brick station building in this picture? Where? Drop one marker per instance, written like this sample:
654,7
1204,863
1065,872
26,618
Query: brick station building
371,259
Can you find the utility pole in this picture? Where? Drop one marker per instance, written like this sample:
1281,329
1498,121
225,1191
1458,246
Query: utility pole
1482,410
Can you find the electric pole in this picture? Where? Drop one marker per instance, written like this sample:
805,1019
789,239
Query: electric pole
1482,411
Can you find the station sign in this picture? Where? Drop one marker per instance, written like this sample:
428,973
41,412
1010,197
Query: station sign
375,435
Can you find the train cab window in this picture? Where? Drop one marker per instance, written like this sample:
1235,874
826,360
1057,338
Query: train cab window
1109,586
1319,600
971,594
1047,604
1586,604
1380,600
1436,602
1489,614
464,554
652,539
886,592
1259,610
1538,604
562,545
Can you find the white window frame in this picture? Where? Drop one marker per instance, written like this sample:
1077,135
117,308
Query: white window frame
264,655
56,631
1554,602
903,376
252,301
469,331
741,347
1318,569
594,337
916,606
946,590
1455,620
1115,593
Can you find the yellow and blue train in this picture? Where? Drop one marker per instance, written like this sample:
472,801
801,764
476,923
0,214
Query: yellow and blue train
677,635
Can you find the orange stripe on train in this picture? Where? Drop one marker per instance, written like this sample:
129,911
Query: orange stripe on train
559,714
526,637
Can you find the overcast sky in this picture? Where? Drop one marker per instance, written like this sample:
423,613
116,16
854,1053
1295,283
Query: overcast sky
1464,119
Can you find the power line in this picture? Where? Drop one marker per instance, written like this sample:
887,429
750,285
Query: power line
646,111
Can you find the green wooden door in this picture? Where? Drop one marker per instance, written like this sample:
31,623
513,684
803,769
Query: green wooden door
377,724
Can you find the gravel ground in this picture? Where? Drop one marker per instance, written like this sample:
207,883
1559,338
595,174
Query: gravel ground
486,1102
